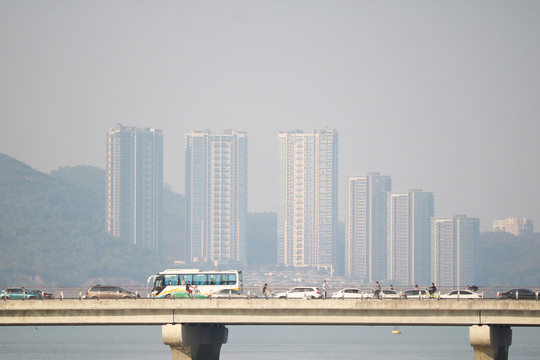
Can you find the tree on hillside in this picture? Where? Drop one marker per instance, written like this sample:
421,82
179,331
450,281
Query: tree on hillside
508,260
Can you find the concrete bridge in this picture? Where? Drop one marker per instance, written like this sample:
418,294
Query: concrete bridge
196,329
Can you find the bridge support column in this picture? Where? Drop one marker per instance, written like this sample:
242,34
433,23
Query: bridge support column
490,342
195,341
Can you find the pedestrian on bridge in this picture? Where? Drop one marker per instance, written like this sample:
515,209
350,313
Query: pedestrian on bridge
265,291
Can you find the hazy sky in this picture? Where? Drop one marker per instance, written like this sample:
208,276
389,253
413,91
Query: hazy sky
441,95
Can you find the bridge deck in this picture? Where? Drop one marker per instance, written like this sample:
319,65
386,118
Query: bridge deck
270,312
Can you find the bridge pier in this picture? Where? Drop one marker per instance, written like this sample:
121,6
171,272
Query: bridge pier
490,342
195,341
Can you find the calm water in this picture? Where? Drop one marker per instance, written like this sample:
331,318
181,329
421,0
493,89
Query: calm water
261,342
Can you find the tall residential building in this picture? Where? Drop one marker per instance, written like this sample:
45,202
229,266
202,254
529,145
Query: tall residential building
409,230
216,196
453,250
366,231
307,187
516,226
134,184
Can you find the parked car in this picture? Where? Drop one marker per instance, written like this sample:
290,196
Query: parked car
385,294
461,294
108,292
230,294
391,294
301,292
349,293
417,294
519,294
44,295
19,293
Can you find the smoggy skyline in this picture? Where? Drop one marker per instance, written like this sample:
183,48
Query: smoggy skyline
441,96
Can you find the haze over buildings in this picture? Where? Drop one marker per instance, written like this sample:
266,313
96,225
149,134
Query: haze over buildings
516,226
441,95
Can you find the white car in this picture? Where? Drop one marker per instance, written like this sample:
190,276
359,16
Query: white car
418,294
386,294
230,294
391,294
462,294
350,293
301,292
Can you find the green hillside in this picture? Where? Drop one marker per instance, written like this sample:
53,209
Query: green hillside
52,229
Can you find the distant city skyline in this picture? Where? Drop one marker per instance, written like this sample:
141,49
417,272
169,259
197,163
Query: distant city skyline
441,95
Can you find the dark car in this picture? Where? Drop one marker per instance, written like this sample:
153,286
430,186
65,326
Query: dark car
19,293
108,292
518,294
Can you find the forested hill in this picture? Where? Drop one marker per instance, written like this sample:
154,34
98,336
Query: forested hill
52,229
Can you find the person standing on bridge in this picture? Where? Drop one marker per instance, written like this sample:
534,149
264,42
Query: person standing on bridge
265,291
432,289
377,291
324,289
188,289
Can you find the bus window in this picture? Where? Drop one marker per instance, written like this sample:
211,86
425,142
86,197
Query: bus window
214,279
228,279
199,279
171,280
185,278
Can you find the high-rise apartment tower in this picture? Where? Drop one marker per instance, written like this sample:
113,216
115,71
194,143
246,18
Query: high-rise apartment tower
134,184
307,208
216,196
366,231
409,230
453,249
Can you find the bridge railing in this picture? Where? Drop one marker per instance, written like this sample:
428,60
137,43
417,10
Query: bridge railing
78,292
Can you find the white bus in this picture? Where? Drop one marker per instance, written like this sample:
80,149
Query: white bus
172,282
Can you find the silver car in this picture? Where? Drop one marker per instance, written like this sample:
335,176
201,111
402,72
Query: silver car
230,294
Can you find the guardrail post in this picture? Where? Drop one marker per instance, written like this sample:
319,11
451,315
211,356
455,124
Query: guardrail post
61,295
